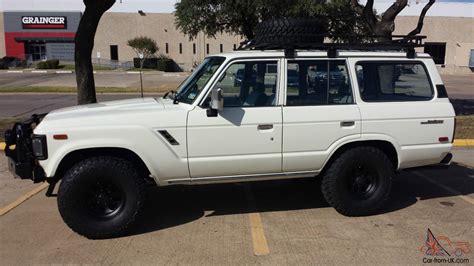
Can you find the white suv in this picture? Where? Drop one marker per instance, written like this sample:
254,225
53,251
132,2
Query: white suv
354,120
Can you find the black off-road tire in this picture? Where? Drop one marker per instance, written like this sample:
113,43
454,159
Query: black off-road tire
77,200
340,182
288,32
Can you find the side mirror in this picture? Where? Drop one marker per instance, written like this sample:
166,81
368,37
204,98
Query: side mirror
217,101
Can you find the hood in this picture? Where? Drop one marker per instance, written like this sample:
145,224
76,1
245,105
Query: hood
107,113
128,105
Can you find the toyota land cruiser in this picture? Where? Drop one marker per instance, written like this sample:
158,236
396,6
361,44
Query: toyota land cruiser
354,119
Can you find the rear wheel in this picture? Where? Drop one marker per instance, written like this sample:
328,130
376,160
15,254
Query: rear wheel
358,182
101,197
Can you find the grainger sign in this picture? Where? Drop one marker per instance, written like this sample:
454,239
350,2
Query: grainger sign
44,22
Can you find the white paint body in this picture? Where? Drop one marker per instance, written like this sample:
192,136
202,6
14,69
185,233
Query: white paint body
230,147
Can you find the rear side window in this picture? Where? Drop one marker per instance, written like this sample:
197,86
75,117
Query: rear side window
393,82
318,82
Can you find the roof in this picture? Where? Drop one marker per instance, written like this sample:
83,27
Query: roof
317,53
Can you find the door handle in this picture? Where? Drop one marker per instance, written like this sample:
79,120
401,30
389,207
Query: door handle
347,123
265,127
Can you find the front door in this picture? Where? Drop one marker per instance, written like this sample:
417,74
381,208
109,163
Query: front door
245,138
35,50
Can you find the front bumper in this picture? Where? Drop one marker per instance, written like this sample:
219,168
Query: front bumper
21,160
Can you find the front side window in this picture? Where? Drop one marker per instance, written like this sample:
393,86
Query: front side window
393,82
318,82
193,85
250,84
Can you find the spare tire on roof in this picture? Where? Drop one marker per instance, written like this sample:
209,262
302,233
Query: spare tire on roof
289,32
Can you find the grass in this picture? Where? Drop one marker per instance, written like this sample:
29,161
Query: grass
465,127
50,89
72,67
144,69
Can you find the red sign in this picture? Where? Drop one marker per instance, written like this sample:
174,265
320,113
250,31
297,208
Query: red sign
44,22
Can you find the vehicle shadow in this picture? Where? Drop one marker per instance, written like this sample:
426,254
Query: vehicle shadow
177,205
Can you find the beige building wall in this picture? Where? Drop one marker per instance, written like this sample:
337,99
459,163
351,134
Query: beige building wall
118,28
2,36
456,32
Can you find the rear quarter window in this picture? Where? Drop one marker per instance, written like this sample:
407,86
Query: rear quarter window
393,81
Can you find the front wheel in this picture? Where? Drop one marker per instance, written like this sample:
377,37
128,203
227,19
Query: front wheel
358,182
100,197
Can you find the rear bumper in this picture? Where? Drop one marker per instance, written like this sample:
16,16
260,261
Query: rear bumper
445,163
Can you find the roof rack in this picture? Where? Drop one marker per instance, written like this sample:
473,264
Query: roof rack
406,43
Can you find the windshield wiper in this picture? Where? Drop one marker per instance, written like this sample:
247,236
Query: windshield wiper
170,93
173,95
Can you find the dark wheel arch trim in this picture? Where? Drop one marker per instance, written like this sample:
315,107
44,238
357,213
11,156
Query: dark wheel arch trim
78,155
383,145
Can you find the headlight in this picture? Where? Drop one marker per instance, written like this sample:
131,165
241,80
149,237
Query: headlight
40,150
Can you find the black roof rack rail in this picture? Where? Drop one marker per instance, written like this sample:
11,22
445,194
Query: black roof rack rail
406,43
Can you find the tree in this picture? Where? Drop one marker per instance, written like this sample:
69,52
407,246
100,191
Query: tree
84,43
144,46
384,25
242,16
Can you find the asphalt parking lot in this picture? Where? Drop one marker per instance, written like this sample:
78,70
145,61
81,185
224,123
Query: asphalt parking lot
278,222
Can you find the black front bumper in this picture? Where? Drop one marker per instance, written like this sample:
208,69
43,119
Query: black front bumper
21,160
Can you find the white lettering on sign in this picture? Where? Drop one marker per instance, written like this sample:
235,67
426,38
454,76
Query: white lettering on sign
43,22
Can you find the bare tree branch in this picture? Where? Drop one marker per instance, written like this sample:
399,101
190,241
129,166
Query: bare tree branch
357,7
394,9
418,28
369,13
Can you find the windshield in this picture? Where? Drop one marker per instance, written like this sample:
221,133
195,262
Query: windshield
193,85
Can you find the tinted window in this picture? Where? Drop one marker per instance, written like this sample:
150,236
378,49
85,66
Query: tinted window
393,82
250,84
318,82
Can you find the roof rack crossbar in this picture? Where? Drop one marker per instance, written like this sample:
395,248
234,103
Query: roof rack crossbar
404,43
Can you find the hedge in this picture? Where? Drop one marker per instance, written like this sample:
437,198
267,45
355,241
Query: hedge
48,64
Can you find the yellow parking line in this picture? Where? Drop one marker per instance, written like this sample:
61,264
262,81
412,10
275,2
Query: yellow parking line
22,199
260,246
259,241
451,190
464,142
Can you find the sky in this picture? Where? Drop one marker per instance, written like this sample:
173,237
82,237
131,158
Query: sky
457,8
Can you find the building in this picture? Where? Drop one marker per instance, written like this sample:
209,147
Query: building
37,34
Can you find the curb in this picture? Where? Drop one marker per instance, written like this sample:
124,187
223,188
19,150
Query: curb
64,72
463,143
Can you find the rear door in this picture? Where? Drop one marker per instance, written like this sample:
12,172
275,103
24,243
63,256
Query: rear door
319,112
398,100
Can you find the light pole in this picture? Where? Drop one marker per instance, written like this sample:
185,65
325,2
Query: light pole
141,68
